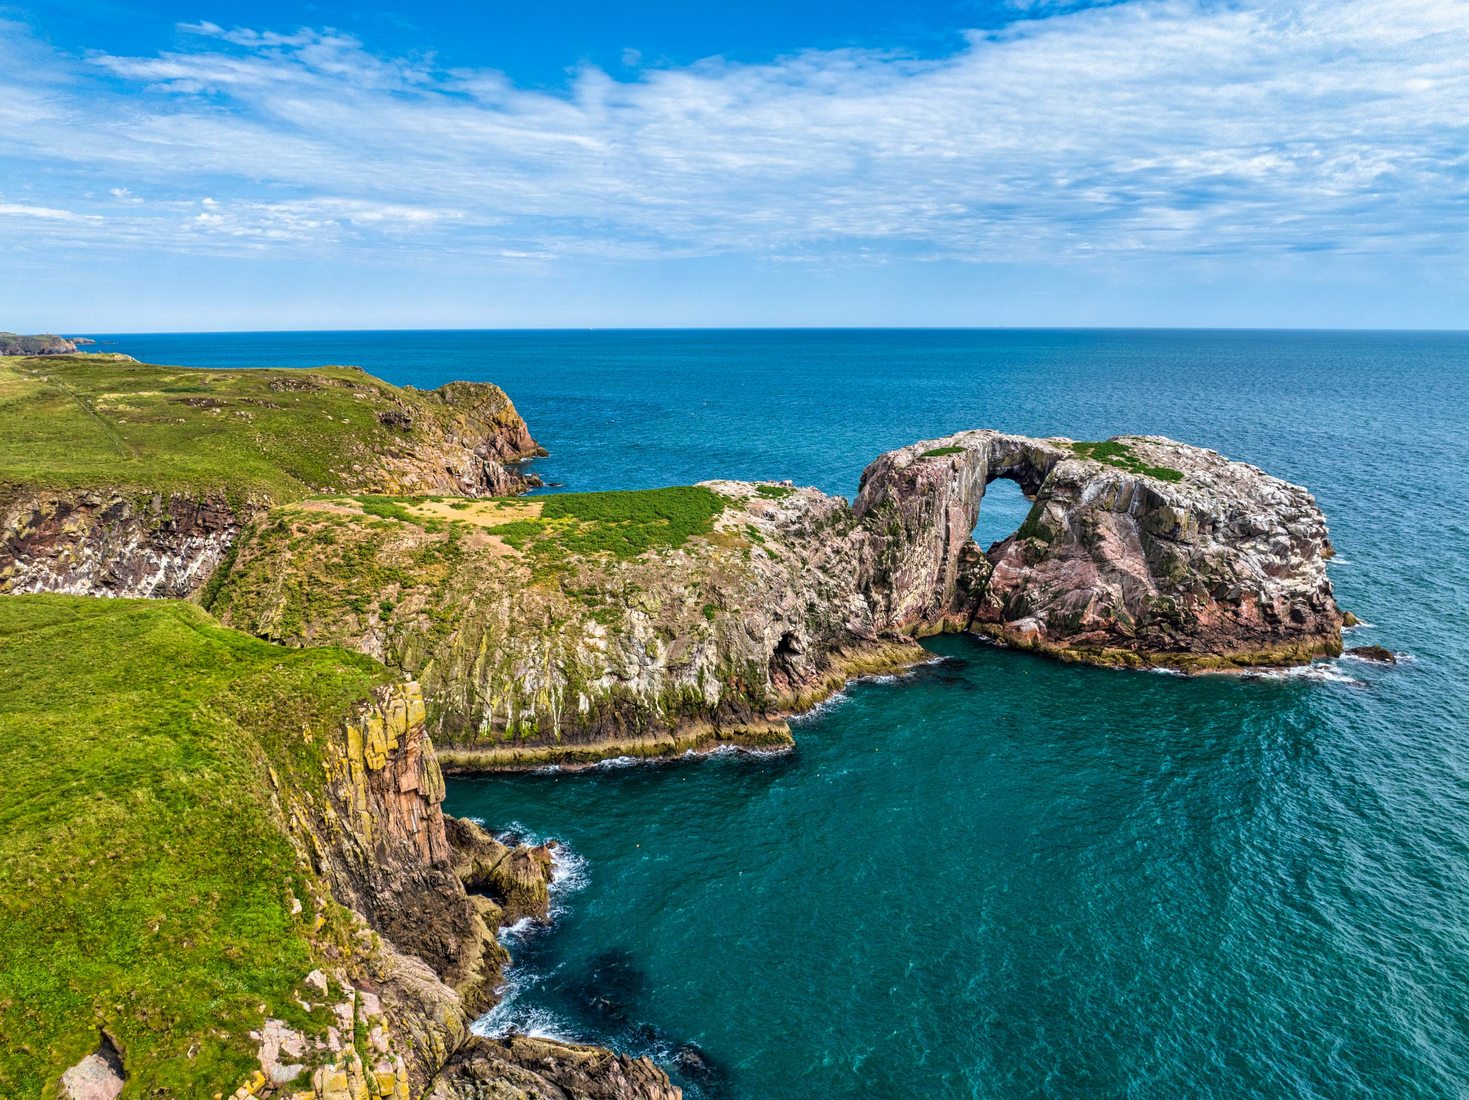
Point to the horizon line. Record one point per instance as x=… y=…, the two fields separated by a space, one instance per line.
x=774 y=328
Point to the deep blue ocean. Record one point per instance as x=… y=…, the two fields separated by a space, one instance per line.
x=999 y=876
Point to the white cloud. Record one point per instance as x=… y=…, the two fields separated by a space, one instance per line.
x=1159 y=127
x=42 y=213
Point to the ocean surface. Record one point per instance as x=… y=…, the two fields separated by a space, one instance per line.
x=999 y=876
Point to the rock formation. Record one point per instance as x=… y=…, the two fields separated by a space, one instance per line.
x=1136 y=551
x=105 y=530
x=559 y=650
x=538 y=640
x=14 y=344
x=429 y=893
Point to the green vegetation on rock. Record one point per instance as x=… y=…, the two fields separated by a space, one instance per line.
x=147 y=884
x=774 y=492
x=623 y=523
x=84 y=422
x=1120 y=455
x=942 y=452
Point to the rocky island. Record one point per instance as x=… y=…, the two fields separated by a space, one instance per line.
x=349 y=597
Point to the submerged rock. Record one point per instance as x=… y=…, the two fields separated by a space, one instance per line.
x=1374 y=653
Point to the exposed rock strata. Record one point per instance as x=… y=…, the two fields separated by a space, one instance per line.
x=1202 y=563
x=114 y=542
x=1152 y=553
x=527 y=660
x=96 y=544
x=425 y=961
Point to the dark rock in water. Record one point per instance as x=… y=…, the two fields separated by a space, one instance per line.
x=1348 y=620
x=694 y=1064
x=613 y=985
x=1373 y=653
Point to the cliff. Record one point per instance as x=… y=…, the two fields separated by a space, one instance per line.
x=226 y=870
x=14 y=344
x=125 y=479
x=1136 y=551
x=571 y=627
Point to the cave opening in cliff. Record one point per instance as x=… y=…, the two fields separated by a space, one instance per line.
x=784 y=662
x=1001 y=512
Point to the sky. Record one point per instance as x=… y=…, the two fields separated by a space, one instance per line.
x=192 y=165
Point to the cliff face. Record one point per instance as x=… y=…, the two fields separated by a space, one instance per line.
x=428 y=893
x=535 y=642
x=1139 y=550
x=226 y=871
x=166 y=466
x=543 y=630
x=105 y=544
x=14 y=344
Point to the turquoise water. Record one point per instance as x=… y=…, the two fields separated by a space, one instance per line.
x=998 y=876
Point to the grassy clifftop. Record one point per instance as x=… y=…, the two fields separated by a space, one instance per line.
x=81 y=422
x=147 y=886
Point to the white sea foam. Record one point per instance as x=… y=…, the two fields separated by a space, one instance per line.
x=616 y=762
x=830 y=703
x=1325 y=672
x=568 y=872
x=508 y=1016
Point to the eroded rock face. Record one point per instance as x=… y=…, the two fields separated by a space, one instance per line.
x=100 y=544
x=677 y=648
x=427 y=961
x=105 y=542
x=1154 y=553
x=520 y=1066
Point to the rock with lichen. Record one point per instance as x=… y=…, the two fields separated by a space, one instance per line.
x=1136 y=551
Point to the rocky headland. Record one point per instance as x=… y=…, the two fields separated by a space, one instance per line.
x=12 y=343
x=569 y=628
x=124 y=479
x=227 y=872
x=1137 y=551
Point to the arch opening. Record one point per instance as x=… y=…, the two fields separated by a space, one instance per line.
x=1002 y=510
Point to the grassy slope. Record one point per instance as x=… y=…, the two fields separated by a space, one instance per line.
x=144 y=877
x=70 y=421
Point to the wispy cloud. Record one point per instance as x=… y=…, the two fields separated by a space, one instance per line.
x=1157 y=127
x=43 y=213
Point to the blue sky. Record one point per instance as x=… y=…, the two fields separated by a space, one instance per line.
x=210 y=165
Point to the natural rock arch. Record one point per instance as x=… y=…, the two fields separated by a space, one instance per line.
x=1140 y=550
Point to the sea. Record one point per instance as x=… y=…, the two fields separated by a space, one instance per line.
x=999 y=876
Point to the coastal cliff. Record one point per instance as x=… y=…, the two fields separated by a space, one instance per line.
x=227 y=870
x=572 y=627
x=569 y=628
x=1136 y=551
x=125 y=479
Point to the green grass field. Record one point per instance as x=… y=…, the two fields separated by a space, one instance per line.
x=623 y=523
x=145 y=877
x=74 y=422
